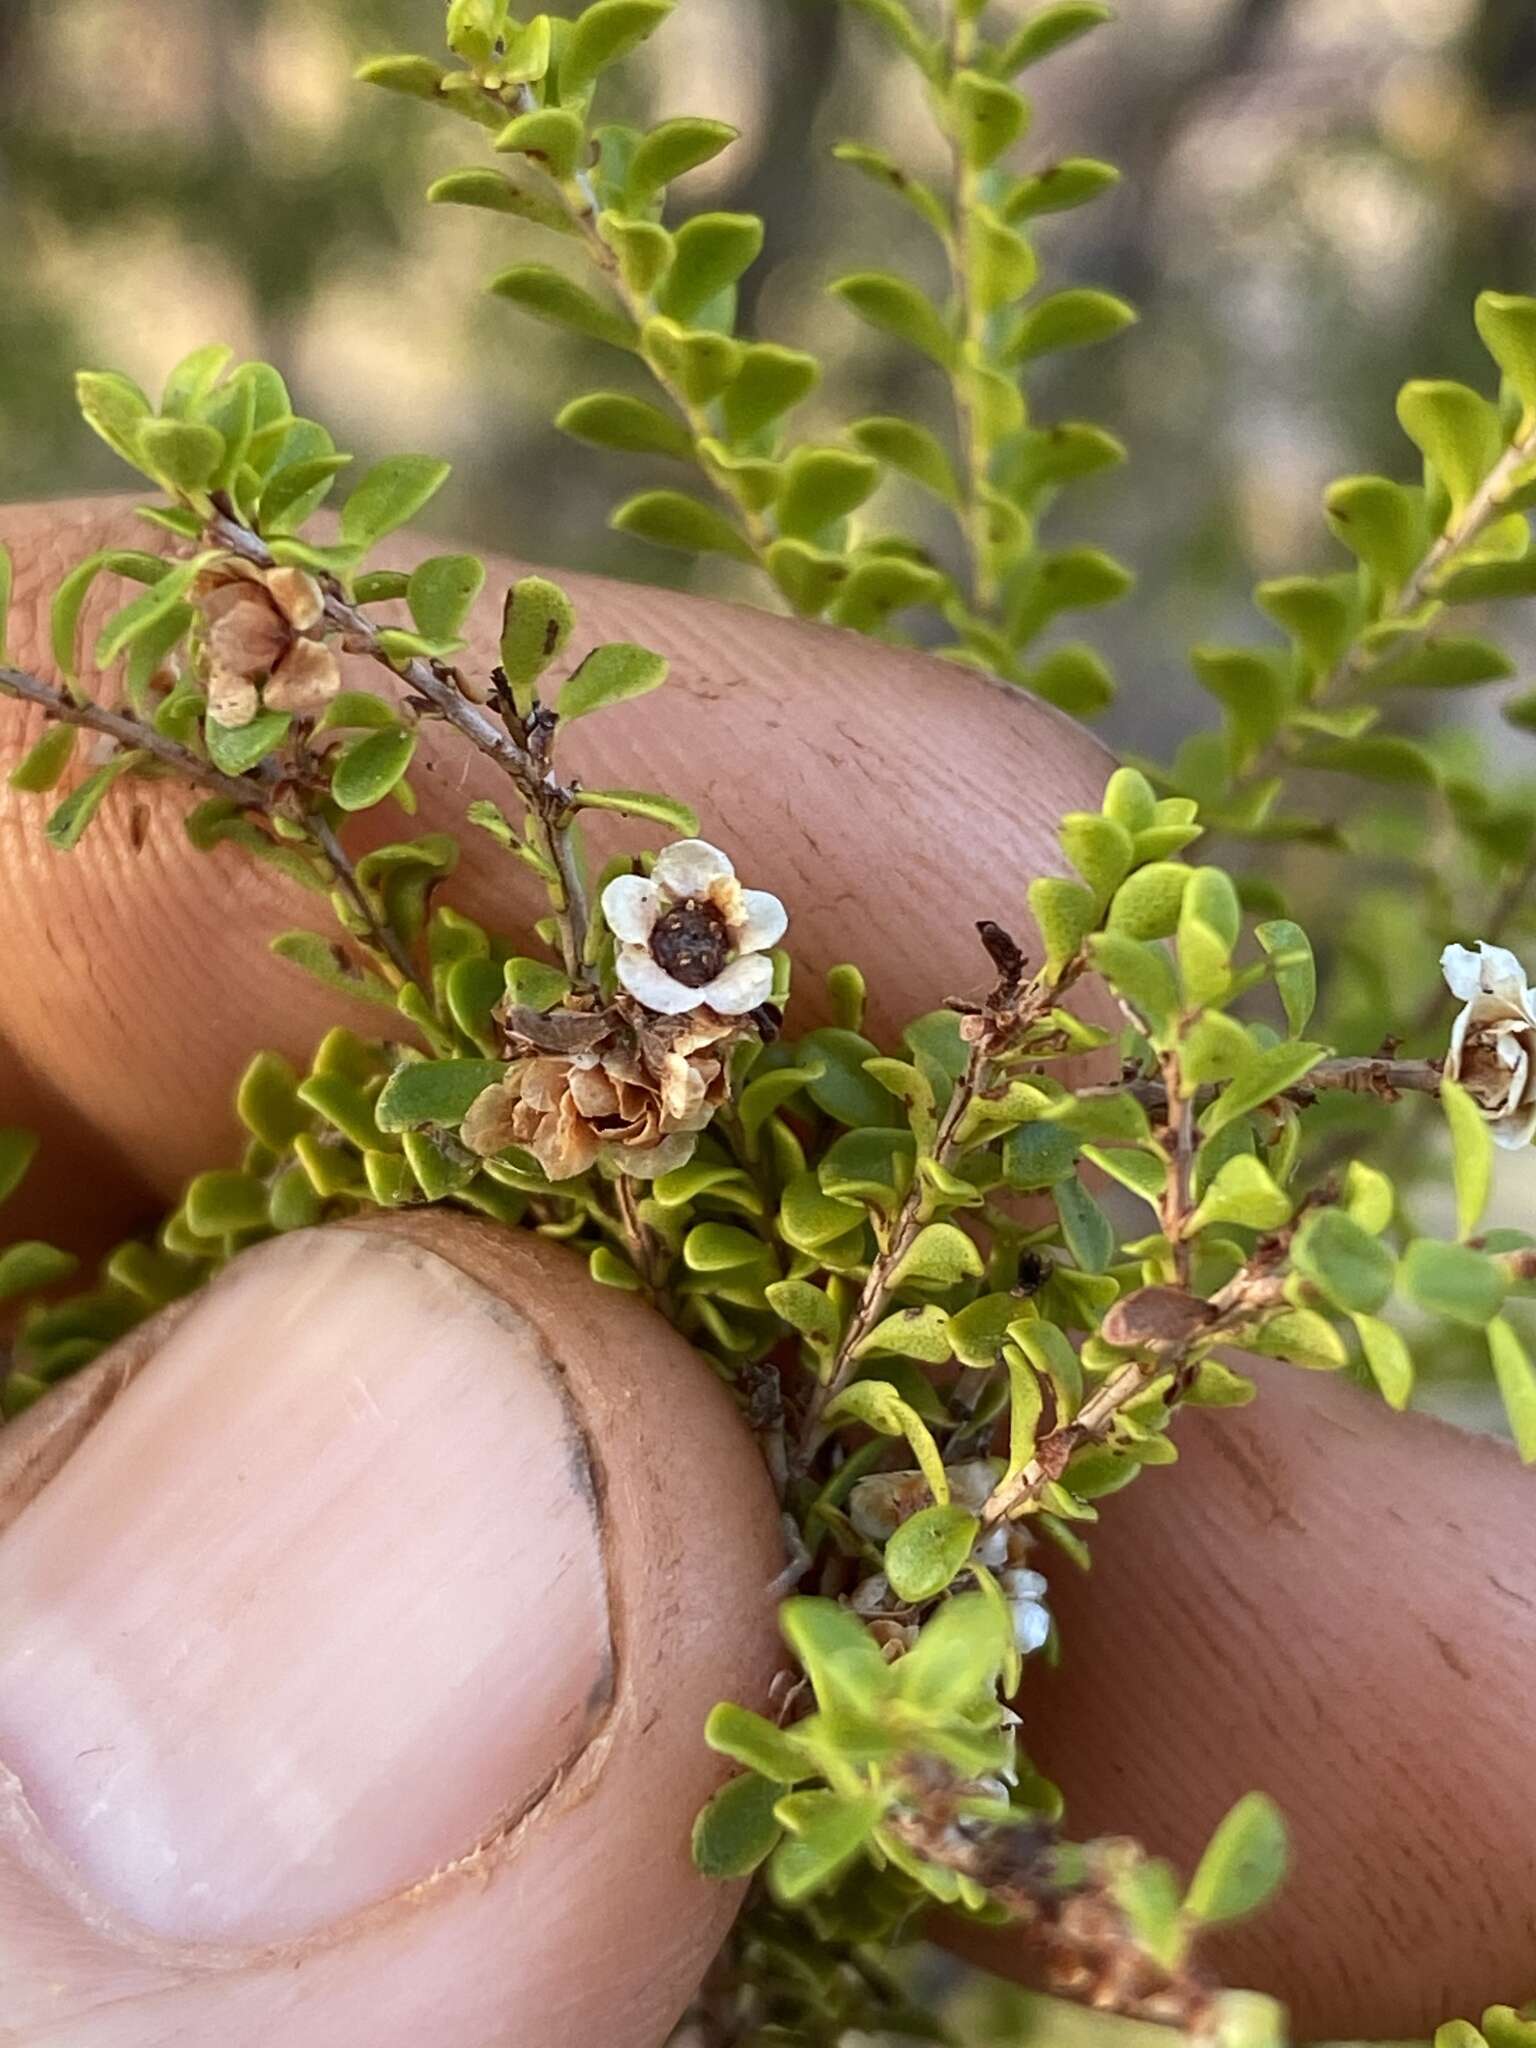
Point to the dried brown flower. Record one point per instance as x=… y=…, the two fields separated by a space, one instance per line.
x=618 y=1081
x=262 y=628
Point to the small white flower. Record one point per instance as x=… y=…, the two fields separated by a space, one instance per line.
x=691 y=936
x=1025 y=1593
x=1493 y=1042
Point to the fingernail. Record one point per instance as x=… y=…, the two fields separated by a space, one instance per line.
x=316 y=1606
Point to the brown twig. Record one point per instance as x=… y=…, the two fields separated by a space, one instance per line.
x=250 y=792
x=339 y=861
x=1376 y=1075
x=440 y=686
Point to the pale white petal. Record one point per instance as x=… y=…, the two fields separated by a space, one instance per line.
x=1022 y=1584
x=1463 y=971
x=1502 y=975
x=631 y=905
x=738 y=988
x=1031 y=1626
x=1458 y=1040
x=649 y=983
x=688 y=866
x=1513 y=1133
x=764 y=921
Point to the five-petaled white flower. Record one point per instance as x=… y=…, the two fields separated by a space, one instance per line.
x=1493 y=1042
x=691 y=936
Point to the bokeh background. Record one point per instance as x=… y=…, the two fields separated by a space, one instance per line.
x=1314 y=190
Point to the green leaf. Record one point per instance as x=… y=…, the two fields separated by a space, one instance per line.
x=146 y=612
x=829 y=1832
x=236 y=749
x=67 y=824
x=769 y=382
x=673 y=148
x=433 y=1092
x=418 y=77
x=1245 y=1192
x=553 y=135
x=603 y=34
x=1471 y=1155
x=1516 y=1376
x=1072 y=182
x=29 y=1267
x=291 y=494
x=1259 y=1079
x=1251 y=686
x=1243 y=1865
x=878 y=1405
x=711 y=252
x=1457 y=432
x=537 y=621
x=903 y=445
x=610 y=675
x=1388 y=1357
x=496 y=192
x=1065 y=914
x=1382 y=524
x=1075 y=680
x=1071 y=319
x=989 y=117
x=1294 y=969
x=611 y=419
x=222 y=1204
x=549 y=295
x=670 y=811
x=184 y=455
x=1038 y=1156
x=921 y=1333
x=643 y=247
x=807 y=1310
x=1447 y=662
x=1353 y=1269
x=1453 y=1281
x=941 y=1255
x=42 y=766
x=756 y=1744
x=1507 y=325
x=367 y=769
x=928 y=1550
x=1100 y=849
x=700 y=361
x=1476 y=582
x=115 y=408
x=822 y=486
x=672 y=519
x=737 y=1830
x=1049 y=30
x=442 y=593
x=1147 y=904
x=1087 y=1232
x=391 y=493
x=843 y=1090
x=1140 y=975
x=897 y=307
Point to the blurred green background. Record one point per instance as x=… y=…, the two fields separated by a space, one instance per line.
x=1314 y=191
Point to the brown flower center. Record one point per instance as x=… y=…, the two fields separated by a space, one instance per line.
x=692 y=943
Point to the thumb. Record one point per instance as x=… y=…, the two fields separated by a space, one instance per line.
x=356 y=1633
